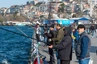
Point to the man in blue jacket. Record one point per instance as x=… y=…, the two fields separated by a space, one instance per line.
x=83 y=46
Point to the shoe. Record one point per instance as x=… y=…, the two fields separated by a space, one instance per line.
x=49 y=62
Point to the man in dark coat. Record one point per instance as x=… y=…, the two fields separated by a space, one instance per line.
x=93 y=30
x=57 y=39
x=64 y=48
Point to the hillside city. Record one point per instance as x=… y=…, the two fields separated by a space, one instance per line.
x=49 y=32
x=35 y=10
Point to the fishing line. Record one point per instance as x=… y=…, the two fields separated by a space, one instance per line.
x=25 y=36
x=20 y=34
x=21 y=31
x=33 y=43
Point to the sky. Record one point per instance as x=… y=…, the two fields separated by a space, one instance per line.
x=8 y=3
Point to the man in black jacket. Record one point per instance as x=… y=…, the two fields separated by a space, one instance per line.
x=50 y=35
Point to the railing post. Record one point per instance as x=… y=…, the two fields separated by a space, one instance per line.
x=37 y=52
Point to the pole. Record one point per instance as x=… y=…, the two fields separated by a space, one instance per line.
x=91 y=8
x=37 y=52
x=49 y=16
x=95 y=2
x=81 y=5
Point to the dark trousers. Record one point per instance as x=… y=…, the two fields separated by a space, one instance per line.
x=38 y=37
x=65 y=61
x=51 y=55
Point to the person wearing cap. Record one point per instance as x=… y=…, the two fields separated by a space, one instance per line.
x=83 y=46
x=38 y=32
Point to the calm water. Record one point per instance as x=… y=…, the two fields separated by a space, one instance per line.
x=15 y=49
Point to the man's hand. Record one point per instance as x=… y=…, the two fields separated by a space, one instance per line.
x=51 y=46
x=50 y=40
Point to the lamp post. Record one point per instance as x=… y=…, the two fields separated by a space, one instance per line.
x=81 y=5
x=49 y=16
x=91 y=8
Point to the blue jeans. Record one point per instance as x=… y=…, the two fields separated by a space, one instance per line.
x=84 y=61
x=73 y=44
x=57 y=57
x=45 y=39
x=93 y=32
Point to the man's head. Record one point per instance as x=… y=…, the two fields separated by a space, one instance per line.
x=81 y=28
x=58 y=26
x=55 y=23
x=51 y=27
x=73 y=29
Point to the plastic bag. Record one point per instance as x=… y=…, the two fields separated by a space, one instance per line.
x=91 y=61
x=41 y=38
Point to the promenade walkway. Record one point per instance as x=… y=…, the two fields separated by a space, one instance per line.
x=44 y=51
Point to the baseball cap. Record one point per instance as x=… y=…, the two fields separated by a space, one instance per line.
x=81 y=26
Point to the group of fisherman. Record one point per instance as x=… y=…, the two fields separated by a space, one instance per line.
x=63 y=41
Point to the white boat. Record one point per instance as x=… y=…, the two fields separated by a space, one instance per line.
x=20 y=24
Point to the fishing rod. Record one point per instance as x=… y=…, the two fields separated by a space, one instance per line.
x=21 y=34
x=37 y=49
x=26 y=37
x=21 y=31
x=16 y=33
x=33 y=43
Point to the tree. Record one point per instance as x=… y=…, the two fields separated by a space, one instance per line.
x=74 y=15
x=15 y=15
x=61 y=9
x=9 y=17
x=20 y=18
x=42 y=17
x=95 y=11
x=1 y=19
x=2 y=14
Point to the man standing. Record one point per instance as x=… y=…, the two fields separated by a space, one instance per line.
x=93 y=30
x=38 y=32
x=50 y=35
x=57 y=39
x=83 y=46
x=64 y=48
x=60 y=34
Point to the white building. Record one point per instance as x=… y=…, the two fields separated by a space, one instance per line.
x=92 y=4
x=55 y=0
x=92 y=1
x=36 y=1
x=3 y=10
x=43 y=8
